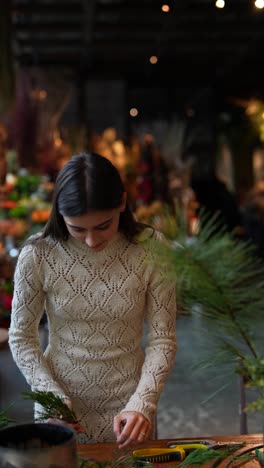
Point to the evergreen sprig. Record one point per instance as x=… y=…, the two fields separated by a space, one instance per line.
x=53 y=406
x=260 y=457
x=198 y=457
x=4 y=419
x=252 y=370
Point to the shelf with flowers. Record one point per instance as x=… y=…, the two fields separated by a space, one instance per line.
x=24 y=209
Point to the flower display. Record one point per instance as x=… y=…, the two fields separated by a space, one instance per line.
x=6 y=288
x=160 y=216
x=24 y=209
x=40 y=215
x=24 y=204
x=13 y=227
x=169 y=218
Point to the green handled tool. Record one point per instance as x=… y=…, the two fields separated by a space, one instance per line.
x=161 y=454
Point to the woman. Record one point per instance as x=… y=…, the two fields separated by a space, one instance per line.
x=92 y=271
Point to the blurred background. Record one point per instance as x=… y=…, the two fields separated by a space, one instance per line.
x=172 y=93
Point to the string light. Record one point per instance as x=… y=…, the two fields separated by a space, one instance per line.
x=133 y=112
x=42 y=94
x=153 y=59
x=165 y=8
x=220 y=3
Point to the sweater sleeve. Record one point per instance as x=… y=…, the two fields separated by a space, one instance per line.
x=161 y=344
x=27 y=309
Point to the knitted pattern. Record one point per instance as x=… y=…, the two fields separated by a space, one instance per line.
x=96 y=304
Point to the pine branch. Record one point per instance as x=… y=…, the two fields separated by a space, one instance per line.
x=221 y=279
x=245 y=455
x=231 y=312
x=221 y=275
x=4 y=419
x=198 y=457
x=53 y=406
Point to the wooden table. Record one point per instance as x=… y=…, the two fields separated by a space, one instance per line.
x=110 y=451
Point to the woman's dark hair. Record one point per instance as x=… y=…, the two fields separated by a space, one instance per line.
x=88 y=182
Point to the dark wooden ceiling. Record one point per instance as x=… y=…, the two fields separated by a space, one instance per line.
x=113 y=39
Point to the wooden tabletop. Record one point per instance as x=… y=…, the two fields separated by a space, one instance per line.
x=110 y=451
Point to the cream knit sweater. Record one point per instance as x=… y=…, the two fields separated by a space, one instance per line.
x=96 y=304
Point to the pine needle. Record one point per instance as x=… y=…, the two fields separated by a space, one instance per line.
x=219 y=390
x=260 y=457
x=4 y=419
x=53 y=406
x=200 y=456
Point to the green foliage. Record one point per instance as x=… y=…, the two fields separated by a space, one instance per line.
x=4 y=419
x=198 y=457
x=27 y=184
x=17 y=212
x=53 y=406
x=260 y=457
x=220 y=278
x=252 y=370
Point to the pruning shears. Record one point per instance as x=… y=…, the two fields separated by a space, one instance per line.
x=177 y=452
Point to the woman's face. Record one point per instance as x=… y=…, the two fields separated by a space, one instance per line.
x=96 y=228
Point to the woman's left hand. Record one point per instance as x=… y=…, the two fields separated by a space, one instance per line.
x=131 y=427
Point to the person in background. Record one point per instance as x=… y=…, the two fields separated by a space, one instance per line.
x=211 y=193
x=92 y=270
